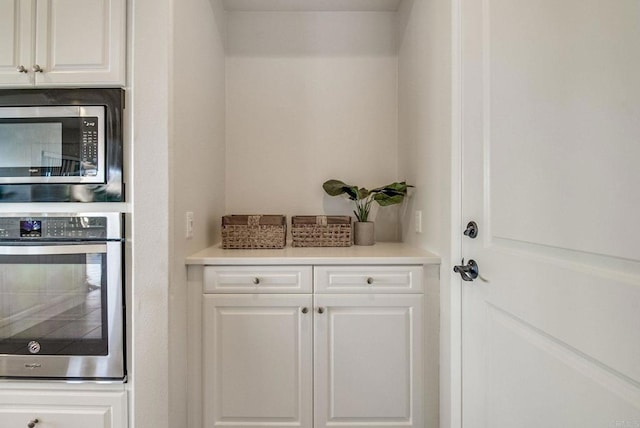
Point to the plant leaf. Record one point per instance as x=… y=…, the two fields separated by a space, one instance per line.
x=385 y=200
x=390 y=194
x=334 y=187
x=337 y=187
x=397 y=187
x=363 y=193
x=352 y=191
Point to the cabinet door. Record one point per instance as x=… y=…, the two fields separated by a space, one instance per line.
x=63 y=409
x=80 y=42
x=16 y=39
x=257 y=360
x=368 y=361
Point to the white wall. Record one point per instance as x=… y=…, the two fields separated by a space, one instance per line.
x=425 y=158
x=197 y=164
x=149 y=101
x=310 y=96
x=178 y=166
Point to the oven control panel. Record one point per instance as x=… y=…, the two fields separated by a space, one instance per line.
x=47 y=228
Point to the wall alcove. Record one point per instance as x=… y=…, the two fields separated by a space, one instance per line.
x=268 y=99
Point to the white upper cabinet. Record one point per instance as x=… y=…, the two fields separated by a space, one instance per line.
x=62 y=43
x=16 y=39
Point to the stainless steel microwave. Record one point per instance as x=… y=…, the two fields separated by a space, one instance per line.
x=61 y=145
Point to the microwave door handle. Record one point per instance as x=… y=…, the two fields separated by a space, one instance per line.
x=37 y=250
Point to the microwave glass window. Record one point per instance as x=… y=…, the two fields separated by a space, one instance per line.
x=31 y=145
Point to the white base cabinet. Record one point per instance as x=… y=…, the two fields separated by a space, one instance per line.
x=257 y=356
x=313 y=345
x=62 y=409
x=368 y=361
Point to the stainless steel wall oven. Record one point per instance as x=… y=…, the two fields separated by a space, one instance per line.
x=61 y=145
x=61 y=296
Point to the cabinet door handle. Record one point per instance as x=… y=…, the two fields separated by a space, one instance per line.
x=369 y=280
x=22 y=69
x=305 y=310
x=321 y=310
x=256 y=280
x=32 y=423
x=37 y=69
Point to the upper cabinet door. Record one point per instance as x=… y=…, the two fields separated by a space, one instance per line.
x=80 y=42
x=16 y=41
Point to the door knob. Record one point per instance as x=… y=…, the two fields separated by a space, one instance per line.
x=472 y=230
x=468 y=272
x=22 y=69
x=32 y=423
x=37 y=69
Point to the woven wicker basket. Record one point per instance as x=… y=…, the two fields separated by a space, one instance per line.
x=321 y=231
x=254 y=231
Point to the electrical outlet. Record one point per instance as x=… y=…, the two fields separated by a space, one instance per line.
x=189 y=218
x=418 y=221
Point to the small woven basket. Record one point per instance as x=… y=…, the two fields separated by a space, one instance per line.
x=254 y=231
x=321 y=231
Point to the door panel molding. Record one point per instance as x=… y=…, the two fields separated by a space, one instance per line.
x=589 y=367
x=554 y=387
x=561 y=96
x=620 y=269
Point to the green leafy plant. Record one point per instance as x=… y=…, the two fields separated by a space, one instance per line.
x=390 y=194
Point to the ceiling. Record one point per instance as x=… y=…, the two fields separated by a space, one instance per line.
x=311 y=5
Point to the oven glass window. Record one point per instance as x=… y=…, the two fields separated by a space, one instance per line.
x=31 y=145
x=53 y=304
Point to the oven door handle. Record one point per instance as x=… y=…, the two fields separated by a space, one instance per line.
x=37 y=250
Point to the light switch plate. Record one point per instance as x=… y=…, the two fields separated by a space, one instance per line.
x=189 y=225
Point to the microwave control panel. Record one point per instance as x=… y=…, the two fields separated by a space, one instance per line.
x=34 y=228
x=89 y=155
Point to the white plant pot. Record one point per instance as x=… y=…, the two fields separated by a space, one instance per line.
x=364 y=233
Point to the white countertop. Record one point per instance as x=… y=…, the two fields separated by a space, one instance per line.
x=380 y=253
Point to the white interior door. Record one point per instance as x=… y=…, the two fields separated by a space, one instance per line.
x=551 y=161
